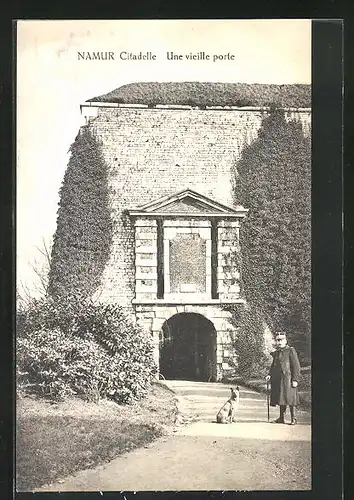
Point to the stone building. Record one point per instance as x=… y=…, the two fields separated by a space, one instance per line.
x=176 y=256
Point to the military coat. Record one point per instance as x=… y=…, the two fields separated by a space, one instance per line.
x=284 y=370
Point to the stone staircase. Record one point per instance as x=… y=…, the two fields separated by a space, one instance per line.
x=200 y=402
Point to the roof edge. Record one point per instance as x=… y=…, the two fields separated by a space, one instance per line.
x=203 y=93
x=98 y=104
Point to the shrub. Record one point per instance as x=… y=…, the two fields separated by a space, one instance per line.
x=79 y=347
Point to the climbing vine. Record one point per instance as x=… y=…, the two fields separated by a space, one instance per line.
x=83 y=238
x=274 y=183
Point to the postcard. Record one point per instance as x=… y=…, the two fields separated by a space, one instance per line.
x=163 y=326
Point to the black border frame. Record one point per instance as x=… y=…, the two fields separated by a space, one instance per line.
x=327 y=252
x=327 y=255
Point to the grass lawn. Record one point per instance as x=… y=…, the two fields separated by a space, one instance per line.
x=55 y=440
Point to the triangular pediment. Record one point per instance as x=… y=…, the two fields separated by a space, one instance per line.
x=187 y=202
x=187 y=205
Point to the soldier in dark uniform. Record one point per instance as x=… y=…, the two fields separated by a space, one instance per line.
x=284 y=376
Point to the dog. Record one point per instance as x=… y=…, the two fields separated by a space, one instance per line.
x=226 y=414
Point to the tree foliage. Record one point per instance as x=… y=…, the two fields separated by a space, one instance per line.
x=82 y=241
x=274 y=183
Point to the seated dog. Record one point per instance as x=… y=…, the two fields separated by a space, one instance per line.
x=226 y=414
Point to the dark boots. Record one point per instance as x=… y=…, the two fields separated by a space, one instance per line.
x=293 y=415
x=281 y=419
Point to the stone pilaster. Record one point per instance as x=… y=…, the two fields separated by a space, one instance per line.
x=145 y=259
x=228 y=273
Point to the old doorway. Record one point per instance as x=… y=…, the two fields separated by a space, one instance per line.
x=188 y=348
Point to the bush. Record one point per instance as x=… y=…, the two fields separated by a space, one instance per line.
x=83 y=348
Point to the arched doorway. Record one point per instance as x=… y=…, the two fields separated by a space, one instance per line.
x=188 y=348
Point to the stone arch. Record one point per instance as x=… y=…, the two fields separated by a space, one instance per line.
x=188 y=347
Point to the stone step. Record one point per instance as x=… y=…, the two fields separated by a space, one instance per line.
x=218 y=404
x=212 y=399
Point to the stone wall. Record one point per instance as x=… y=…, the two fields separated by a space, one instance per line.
x=152 y=153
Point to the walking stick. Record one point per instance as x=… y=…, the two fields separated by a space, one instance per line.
x=268 y=398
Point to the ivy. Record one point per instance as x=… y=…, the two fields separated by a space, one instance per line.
x=83 y=238
x=274 y=182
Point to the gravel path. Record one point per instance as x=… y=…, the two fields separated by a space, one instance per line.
x=250 y=454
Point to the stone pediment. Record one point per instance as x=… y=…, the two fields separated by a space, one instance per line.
x=188 y=202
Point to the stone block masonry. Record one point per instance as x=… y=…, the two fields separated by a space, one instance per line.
x=152 y=153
